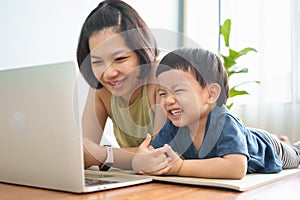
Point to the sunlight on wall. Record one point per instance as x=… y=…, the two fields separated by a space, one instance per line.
x=267 y=29
x=265 y=25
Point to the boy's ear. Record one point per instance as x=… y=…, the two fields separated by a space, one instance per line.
x=214 y=92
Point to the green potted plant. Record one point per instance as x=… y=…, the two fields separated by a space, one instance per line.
x=230 y=60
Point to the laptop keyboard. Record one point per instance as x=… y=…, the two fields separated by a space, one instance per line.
x=93 y=181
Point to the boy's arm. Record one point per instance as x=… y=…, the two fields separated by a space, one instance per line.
x=232 y=166
x=155 y=162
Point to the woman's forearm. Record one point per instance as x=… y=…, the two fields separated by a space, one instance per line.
x=123 y=157
x=95 y=154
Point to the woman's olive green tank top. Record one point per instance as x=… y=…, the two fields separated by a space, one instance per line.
x=131 y=124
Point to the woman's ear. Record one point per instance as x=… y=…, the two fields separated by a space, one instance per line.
x=214 y=92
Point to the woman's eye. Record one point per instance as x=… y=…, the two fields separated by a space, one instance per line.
x=121 y=58
x=96 y=62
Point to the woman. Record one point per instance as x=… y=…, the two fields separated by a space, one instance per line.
x=116 y=55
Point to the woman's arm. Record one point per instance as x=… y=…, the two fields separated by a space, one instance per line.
x=95 y=114
x=93 y=123
x=96 y=154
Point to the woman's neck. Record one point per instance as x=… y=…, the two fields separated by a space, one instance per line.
x=131 y=98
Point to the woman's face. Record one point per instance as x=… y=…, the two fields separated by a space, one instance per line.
x=114 y=64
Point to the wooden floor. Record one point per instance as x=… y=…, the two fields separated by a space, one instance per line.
x=285 y=189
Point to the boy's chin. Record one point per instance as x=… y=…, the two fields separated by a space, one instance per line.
x=178 y=124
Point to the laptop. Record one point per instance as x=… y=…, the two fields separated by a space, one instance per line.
x=40 y=137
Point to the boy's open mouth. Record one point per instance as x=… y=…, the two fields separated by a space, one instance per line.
x=175 y=112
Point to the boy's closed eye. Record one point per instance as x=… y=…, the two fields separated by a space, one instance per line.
x=179 y=91
x=162 y=93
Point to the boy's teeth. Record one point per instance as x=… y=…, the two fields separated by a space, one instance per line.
x=175 y=112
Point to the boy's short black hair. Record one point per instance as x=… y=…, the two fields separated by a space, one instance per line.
x=204 y=65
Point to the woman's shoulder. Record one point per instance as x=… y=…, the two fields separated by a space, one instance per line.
x=103 y=93
x=103 y=96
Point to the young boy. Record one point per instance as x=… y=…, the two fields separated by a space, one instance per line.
x=208 y=140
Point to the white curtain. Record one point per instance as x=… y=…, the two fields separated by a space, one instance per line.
x=272 y=28
x=296 y=46
x=266 y=26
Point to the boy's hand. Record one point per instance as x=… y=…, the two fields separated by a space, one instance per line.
x=175 y=162
x=173 y=168
x=148 y=159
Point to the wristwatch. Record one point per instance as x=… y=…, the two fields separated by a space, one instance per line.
x=109 y=161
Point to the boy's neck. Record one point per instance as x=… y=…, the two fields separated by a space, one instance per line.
x=197 y=130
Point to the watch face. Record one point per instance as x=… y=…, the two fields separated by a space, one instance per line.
x=106 y=167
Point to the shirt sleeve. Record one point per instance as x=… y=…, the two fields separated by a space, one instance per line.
x=232 y=139
x=165 y=135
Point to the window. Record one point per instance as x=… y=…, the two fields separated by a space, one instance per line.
x=262 y=24
x=273 y=29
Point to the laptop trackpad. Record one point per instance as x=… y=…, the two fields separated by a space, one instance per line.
x=99 y=178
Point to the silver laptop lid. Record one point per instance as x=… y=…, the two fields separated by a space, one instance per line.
x=40 y=144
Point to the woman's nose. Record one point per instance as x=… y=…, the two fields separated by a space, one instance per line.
x=110 y=71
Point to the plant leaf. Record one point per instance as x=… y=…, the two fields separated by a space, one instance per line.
x=246 y=50
x=245 y=82
x=229 y=106
x=225 y=31
x=233 y=92
x=228 y=61
x=234 y=54
x=235 y=69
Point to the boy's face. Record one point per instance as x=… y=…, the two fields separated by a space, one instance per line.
x=182 y=97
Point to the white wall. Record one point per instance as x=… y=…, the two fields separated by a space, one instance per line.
x=35 y=32
x=38 y=32
x=202 y=23
x=274 y=31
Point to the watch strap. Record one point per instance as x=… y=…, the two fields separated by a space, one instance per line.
x=109 y=159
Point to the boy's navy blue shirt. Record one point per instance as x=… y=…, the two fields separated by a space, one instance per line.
x=225 y=134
